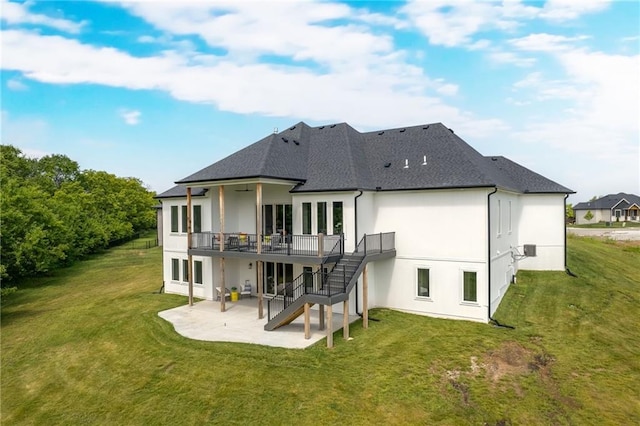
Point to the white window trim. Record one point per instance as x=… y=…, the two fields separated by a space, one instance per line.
x=461 y=287
x=415 y=287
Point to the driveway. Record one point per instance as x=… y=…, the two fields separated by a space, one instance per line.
x=629 y=234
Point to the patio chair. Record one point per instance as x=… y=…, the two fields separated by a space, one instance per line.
x=227 y=293
x=246 y=289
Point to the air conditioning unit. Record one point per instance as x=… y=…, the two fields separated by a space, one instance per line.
x=530 y=250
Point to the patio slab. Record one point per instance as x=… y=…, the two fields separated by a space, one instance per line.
x=240 y=324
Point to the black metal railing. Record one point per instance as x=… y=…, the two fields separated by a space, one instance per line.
x=377 y=243
x=290 y=245
x=289 y=293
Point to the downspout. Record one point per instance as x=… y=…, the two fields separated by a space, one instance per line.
x=566 y=268
x=491 y=319
x=355 y=213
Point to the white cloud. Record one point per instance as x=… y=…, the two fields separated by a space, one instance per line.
x=131 y=117
x=396 y=92
x=16 y=84
x=565 y=10
x=503 y=57
x=18 y=13
x=543 y=42
x=146 y=39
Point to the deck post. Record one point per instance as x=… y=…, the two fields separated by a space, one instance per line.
x=345 y=319
x=189 y=257
x=307 y=321
x=365 y=297
x=260 y=287
x=329 y=326
x=320 y=244
x=321 y=323
x=223 y=287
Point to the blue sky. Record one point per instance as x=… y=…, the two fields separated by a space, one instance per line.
x=158 y=90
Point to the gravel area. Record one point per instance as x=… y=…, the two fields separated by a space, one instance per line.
x=631 y=234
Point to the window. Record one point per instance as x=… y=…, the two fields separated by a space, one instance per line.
x=509 y=218
x=197 y=272
x=307 y=273
x=337 y=217
x=174 y=218
x=185 y=270
x=423 y=282
x=306 y=218
x=184 y=218
x=470 y=287
x=322 y=218
x=197 y=218
x=175 y=269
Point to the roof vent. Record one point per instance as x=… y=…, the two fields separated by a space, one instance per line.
x=378 y=188
x=285 y=140
x=321 y=127
x=381 y=133
x=451 y=130
x=406 y=163
x=275 y=130
x=296 y=142
x=387 y=165
x=424 y=160
x=425 y=127
x=494 y=159
x=332 y=126
x=291 y=128
x=402 y=130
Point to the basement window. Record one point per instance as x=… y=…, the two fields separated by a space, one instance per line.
x=470 y=286
x=185 y=270
x=423 y=283
x=197 y=272
x=175 y=269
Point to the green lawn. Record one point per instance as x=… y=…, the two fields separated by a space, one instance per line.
x=86 y=346
x=599 y=225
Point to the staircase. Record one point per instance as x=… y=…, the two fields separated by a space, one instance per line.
x=327 y=288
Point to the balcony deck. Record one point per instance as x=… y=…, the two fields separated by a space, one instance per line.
x=275 y=248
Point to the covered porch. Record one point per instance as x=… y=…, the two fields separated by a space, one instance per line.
x=204 y=321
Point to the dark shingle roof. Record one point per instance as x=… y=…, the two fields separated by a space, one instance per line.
x=610 y=201
x=338 y=157
x=181 y=192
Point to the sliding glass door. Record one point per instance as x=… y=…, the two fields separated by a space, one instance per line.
x=277 y=218
x=277 y=276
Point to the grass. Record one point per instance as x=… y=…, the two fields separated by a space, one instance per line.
x=85 y=345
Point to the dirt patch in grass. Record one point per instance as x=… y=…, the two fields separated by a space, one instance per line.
x=508 y=360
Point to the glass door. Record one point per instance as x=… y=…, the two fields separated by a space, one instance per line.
x=277 y=219
x=277 y=276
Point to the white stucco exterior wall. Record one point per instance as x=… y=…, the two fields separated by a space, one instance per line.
x=542 y=224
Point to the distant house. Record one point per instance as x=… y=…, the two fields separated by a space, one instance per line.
x=412 y=219
x=619 y=207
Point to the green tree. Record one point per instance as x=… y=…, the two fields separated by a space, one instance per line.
x=588 y=215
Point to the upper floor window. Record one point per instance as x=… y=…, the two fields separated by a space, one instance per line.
x=337 y=218
x=184 y=219
x=322 y=217
x=306 y=218
x=197 y=218
x=174 y=219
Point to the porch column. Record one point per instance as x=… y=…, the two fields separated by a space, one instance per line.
x=223 y=286
x=307 y=321
x=259 y=248
x=365 y=297
x=345 y=319
x=329 y=326
x=189 y=257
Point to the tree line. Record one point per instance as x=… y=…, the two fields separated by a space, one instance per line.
x=52 y=213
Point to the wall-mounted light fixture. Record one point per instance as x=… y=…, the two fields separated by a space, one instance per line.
x=250 y=265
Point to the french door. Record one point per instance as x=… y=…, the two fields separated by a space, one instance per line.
x=277 y=276
x=277 y=218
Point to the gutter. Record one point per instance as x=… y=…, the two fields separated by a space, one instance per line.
x=491 y=319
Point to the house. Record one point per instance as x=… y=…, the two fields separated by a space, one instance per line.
x=619 y=207
x=412 y=219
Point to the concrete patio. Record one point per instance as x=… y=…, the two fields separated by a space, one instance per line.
x=240 y=324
